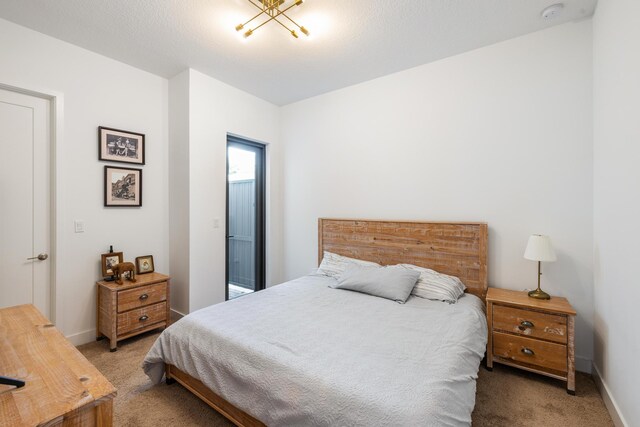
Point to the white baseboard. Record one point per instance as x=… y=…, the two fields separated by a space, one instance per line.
x=609 y=401
x=82 y=337
x=583 y=364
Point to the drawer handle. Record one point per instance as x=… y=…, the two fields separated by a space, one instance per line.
x=143 y=318
x=527 y=324
x=144 y=297
x=528 y=351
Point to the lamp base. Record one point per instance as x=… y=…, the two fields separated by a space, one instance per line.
x=539 y=294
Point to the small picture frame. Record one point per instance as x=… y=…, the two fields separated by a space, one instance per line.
x=122 y=187
x=108 y=261
x=144 y=264
x=115 y=145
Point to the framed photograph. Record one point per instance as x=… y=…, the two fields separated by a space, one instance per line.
x=108 y=261
x=116 y=145
x=144 y=264
x=122 y=186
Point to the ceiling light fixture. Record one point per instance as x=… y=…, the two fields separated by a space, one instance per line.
x=274 y=11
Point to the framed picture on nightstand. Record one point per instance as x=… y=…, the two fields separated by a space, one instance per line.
x=108 y=261
x=144 y=264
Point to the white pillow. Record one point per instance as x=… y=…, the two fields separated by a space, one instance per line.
x=333 y=265
x=390 y=282
x=436 y=286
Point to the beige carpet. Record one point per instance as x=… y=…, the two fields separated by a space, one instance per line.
x=505 y=397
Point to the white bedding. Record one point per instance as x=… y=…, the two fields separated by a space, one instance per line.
x=304 y=354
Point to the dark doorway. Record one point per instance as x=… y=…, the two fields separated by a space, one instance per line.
x=245 y=217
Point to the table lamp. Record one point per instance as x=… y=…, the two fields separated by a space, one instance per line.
x=539 y=249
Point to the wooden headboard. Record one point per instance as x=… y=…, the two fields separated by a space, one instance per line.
x=457 y=249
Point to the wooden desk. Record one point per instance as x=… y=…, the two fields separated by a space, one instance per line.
x=62 y=387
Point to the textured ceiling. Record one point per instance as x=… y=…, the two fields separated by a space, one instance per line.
x=351 y=40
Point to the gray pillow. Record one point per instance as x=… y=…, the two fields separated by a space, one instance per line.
x=391 y=282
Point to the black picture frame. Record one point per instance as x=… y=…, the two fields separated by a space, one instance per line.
x=121 y=146
x=123 y=199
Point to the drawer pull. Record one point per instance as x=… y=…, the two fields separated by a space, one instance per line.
x=528 y=351
x=145 y=317
x=143 y=297
x=526 y=324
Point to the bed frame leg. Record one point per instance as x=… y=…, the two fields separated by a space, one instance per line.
x=167 y=374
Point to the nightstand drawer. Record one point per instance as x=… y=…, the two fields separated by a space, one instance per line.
x=139 y=297
x=530 y=351
x=141 y=317
x=533 y=324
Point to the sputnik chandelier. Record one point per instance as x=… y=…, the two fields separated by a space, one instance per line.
x=273 y=11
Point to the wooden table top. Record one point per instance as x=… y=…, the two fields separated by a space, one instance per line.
x=58 y=377
x=141 y=280
x=521 y=299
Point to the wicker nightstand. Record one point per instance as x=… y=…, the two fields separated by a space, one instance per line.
x=530 y=334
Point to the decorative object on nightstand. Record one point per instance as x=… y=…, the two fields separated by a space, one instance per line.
x=532 y=334
x=108 y=260
x=123 y=311
x=539 y=249
x=144 y=264
x=124 y=270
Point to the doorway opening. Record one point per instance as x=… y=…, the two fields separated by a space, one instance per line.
x=245 y=217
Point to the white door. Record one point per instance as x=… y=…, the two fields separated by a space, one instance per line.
x=24 y=201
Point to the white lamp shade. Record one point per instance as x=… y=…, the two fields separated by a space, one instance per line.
x=539 y=249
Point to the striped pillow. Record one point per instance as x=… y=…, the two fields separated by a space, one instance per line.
x=333 y=265
x=436 y=286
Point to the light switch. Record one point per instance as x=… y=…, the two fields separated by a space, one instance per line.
x=78 y=226
x=216 y=222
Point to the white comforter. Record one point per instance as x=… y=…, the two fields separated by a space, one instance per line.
x=304 y=354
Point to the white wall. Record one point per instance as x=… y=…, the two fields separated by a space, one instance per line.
x=179 y=191
x=501 y=134
x=617 y=204
x=97 y=91
x=216 y=109
x=184 y=179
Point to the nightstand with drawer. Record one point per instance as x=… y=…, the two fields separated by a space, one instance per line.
x=123 y=311
x=531 y=334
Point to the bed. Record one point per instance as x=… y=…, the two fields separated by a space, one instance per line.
x=302 y=353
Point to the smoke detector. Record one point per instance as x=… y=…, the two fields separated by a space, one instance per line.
x=552 y=11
